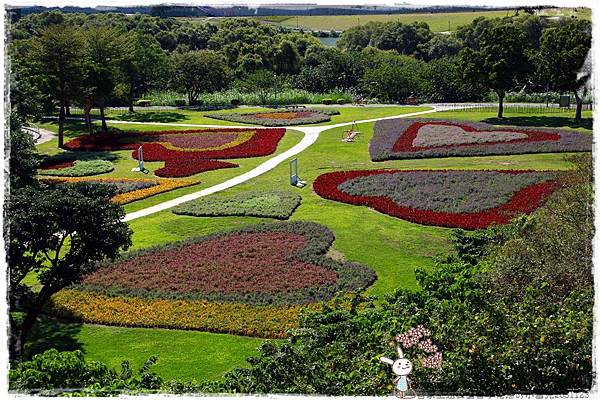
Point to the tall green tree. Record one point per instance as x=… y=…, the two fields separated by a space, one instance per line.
x=105 y=48
x=58 y=234
x=287 y=58
x=143 y=64
x=500 y=63
x=197 y=72
x=59 y=50
x=263 y=83
x=561 y=58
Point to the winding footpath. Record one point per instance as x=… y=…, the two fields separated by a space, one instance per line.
x=311 y=134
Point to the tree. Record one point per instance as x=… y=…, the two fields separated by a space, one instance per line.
x=24 y=159
x=142 y=65
x=501 y=61
x=404 y=38
x=59 y=234
x=440 y=45
x=287 y=58
x=59 y=49
x=561 y=58
x=104 y=49
x=197 y=72
x=262 y=82
x=442 y=81
x=392 y=82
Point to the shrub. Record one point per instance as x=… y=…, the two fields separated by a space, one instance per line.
x=278 y=205
x=179 y=102
x=327 y=101
x=143 y=102
x=130 y=189
x=79 y=168
x=235 y=102
x=67 y=372
x=407 y=139
x=342 y=101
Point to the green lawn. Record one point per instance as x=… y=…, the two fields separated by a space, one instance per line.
x=438 y=22
x=181 y=354
x=347 y=114
x=392 y=247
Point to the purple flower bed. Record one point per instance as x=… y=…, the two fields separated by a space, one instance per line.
x=445 y=191
x=420 y=138
x=195 y=141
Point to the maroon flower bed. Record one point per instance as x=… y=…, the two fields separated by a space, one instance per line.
x=270 y=263
x=406 y=139
x=53 y=165
x=447 y=210
x=186 y=154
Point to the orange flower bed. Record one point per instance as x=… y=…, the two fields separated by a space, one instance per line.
x=233 y=318
x=161 y=185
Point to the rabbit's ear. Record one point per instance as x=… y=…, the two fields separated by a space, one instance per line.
x=386 y=360
x=400 y=353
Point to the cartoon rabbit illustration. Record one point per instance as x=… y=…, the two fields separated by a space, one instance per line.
x=401 y=368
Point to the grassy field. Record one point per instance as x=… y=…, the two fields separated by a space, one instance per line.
x=438 y=22
x=181 y=354
x=394 y=248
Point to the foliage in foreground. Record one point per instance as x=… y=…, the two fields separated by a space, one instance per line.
x=54 y=372
x=496 y=339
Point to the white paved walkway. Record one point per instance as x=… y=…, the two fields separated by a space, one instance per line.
x=311 y=134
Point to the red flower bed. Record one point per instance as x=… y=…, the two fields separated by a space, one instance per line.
x=239 y=263
x=184 y=167
x=525 y=200
x=183 y=161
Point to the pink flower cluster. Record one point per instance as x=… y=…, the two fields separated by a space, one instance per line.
x=412 y=336
x=433 y=361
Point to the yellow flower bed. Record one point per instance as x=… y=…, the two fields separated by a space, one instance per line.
x=233 y=318
x=163 y=185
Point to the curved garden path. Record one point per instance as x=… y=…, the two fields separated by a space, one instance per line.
x=311 y=134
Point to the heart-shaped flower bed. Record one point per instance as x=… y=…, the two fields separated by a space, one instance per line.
x=462 y=199
x=276 y=263
x=405 y=139
x=270 y=265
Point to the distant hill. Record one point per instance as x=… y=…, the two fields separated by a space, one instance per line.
x=245 y=11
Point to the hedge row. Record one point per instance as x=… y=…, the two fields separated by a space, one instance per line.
x=421 y=138
x=278 y=118
x=79 y=168
x=273 y=204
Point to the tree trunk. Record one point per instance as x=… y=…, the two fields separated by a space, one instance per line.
x=87 y=109
x=103 y=118
x=29 y=321
x=500 y=104
x=61 y=126
x=579 y=101
x=68 y=109
x=131 y=99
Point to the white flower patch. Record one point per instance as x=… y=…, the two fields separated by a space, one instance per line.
x=433 y=135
